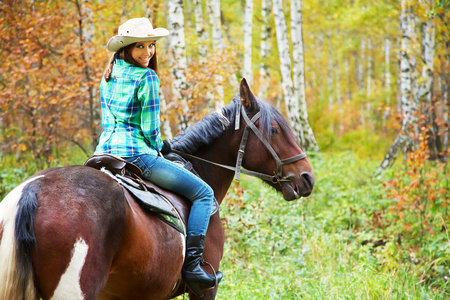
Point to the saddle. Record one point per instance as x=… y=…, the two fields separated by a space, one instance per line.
x=168 y=206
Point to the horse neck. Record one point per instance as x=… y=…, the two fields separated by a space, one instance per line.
x=219 y=179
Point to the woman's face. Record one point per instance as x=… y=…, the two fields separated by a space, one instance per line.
x=142 y=52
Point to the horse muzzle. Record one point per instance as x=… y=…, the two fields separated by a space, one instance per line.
x=294 y=187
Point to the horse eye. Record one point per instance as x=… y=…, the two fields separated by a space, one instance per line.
x=274 y=130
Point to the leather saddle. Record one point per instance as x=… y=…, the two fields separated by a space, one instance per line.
x=146 y=193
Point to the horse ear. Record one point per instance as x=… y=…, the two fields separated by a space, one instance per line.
x=247 y=97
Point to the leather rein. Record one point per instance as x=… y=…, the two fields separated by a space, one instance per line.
x=250 y=125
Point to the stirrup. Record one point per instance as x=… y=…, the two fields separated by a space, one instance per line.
x=205 y=263
x=198 y=291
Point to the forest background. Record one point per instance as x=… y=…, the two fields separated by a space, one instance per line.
x=375 y=226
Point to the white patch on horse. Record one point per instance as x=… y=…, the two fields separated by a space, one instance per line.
x=69 y=284
x=8 y=267
x=183 y=245
x=183 y=254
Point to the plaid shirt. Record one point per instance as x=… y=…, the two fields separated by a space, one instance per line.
x=130 y=112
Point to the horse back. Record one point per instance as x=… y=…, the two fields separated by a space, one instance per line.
x=78 y=226
x=93 y=243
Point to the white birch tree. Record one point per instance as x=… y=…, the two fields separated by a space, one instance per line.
x=369 y=68
x=387 y=73
x=218 y=46
x=308 y=142
x=360 y=65
x=408 y=108
x=347 y=71
x=387 y=79
x=425 y=87
x=149 y=12
x=247 y=24
x=330 y=69
x=290 y=99
x=202 y=34
x=165 y=123
x=177 y=47
x=264 y=48
x=214 y=8
x=86 y=33
x=445 y=88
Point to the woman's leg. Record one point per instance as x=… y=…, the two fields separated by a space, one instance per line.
x=175 y=178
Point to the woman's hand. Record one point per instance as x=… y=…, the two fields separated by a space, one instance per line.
x=166 y=148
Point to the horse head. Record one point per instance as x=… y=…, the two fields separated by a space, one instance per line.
x=272 y=149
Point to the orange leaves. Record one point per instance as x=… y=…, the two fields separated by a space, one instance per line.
x=45 y=99
x=204 y=81
x=420 y=193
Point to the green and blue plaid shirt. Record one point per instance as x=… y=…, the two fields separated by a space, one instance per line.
x=130 y=112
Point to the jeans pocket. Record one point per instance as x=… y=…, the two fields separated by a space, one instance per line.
x=146 y=172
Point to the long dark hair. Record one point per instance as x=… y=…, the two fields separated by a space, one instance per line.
x=125 y=54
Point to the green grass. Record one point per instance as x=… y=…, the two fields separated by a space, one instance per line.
x=310 y=249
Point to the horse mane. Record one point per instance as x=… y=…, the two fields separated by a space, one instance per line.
x=214 y=124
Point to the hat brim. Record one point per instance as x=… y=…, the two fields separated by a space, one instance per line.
x=120 y=41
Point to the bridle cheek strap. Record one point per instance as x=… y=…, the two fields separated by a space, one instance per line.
x=244 y=140
x=250 y=124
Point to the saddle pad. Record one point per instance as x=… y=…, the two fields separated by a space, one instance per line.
x=152 y=201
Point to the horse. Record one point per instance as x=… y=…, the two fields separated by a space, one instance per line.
x=70 y=232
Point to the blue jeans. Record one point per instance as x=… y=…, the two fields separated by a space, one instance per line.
x=175 y=178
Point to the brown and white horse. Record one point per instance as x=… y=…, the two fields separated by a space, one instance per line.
x=70 y=233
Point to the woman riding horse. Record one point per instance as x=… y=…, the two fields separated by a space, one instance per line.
x=131 y=123
x=70 y=232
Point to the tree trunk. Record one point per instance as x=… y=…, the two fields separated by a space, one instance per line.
x=308 y=142
x=360 y=66
x=369 y=70
x=404 y=139
x=425 y=92
x=290 y=98
x=348 y=89
x=202 y=34
x=86 y=36
x=248 y=14
x=347 y=77
x=330 y=70
x=165 y=124
x=265 y=49
x=218 y=45
x=445 y=82
x=177 y=46
x=387 y=73
x=150 y=12
x=214 y=7
x=387 y=82
x=151 y=9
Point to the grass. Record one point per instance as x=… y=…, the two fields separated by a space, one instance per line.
x=309 y=249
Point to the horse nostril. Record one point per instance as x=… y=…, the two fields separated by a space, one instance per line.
x=308 y=180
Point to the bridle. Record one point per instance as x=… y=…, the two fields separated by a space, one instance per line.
x=250 y=125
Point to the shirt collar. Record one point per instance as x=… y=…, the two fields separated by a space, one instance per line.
x=121 y=62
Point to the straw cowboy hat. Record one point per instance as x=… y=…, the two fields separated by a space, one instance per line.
x=135 y=30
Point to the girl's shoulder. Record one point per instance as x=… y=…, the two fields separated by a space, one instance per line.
x=137 y=73
x=148 y=74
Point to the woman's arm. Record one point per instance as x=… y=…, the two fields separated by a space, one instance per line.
x=150 y=119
